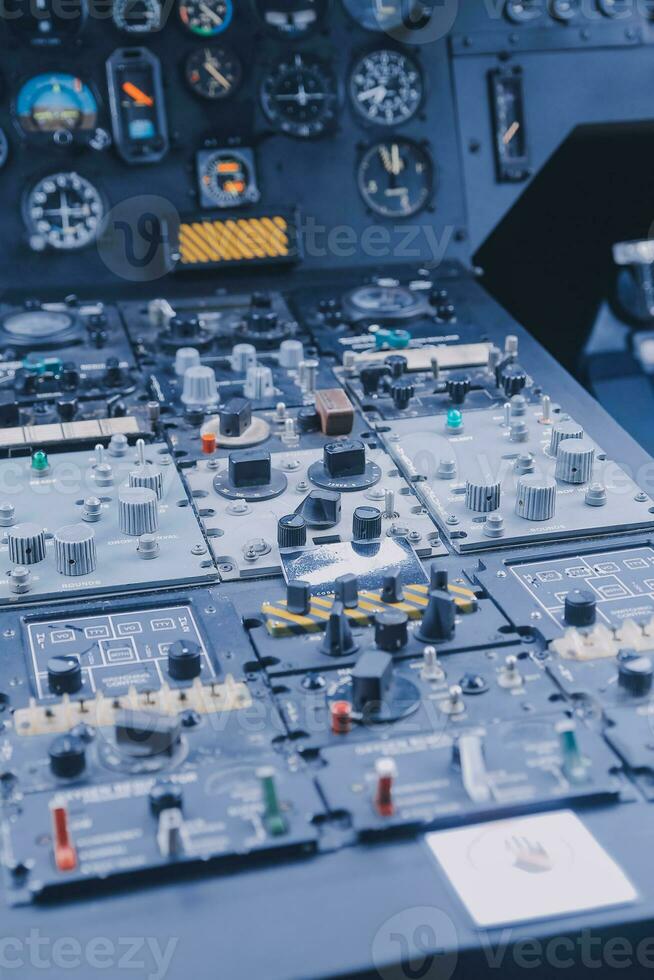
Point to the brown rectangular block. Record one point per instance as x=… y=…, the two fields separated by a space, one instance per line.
x=336 y=412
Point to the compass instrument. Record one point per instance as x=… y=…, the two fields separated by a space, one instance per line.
x=299 y=96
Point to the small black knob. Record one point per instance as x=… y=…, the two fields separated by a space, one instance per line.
x=439 y=619
x=338 y=640
x=64 y=675
x=346 y=458
x=580 y=608
x=235 y=417
x=458 y=388
x=371 y=679
x=67 y=409
x=366 y=523
x=67 y=756
x=392 y=588
x=446 y=312
x=165 y=795
x=514 y=380
x=397 y=365
x=184 y=660
x=262 y=322
x=291 y=531
x=402 y=392
x=635 y=673
x=308 y=419
x=321 y=509
x=438 y=578
x=113 y=373
x=70 y=377
x=347 y=590
x=298 y=597
x=371 y=377
x=261 y=301
x=249 y=468
x=391 y=630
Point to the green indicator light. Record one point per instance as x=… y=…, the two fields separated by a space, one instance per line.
x=40 y=461
x=575 y=766
x=454 y=418
x=273 y=816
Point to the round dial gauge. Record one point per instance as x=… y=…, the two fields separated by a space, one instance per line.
x=47 y=103
x=395 y=178
x=206 y=18
x=291 y=19
x=300 y=96
x=42 y=327
x=213 y=73
x=228 y=180
x=137 y=16
x=615 y=8
x=63 y=211
x=386 y=87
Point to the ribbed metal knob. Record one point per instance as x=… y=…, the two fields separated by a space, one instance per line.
x=562 y=431
x=366 y=523
x=243 y=356
x=574 y=461
x=258 y=383
x=147 y=476
x=536 y=498
x=291 y=531
x=138 y=512
x=200 y=390
x=186 y=358
x=75 y=550
x=482 y=497
x=291 y=354
x=26 y=544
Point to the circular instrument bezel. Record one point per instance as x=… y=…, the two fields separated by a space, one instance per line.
x=41 y=238
x=394 y=56
x=226 y=52
x=287 y=67
x=418 y=150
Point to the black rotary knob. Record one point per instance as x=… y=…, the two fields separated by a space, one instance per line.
x=291 y=531
x=345 y=458
x=458 y=388
x=635 y=673
x=580 y=608
x=64 y=675
x=391 y=630
x=366 y=523
x=184 y=660
x=514 y=379
x=402 y=392
x=308 y=419
x=371 y=377
x=67 y=756
x=397 y=365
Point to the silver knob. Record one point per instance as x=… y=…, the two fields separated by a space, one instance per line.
x=26 y=544
x=291 y=354
x=258 y=383
x=145 y=474
x=564 y=430
x=536 y=498
x=574 y=461
x=138 y=512
x=243 y=356
x=200 y=389
x=482 y=497
x=7 y=515
x=185 y=358
x=75 y=550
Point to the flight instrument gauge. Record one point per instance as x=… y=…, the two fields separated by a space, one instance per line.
x=386 y=87
x=227 y=178
x=522 y=11
x=137 y=16
x=45 y=21
x=299 y=96
x=291 y=20
x=62 y=211
x=206 y=18
x=56 y=104
x=136 y=99
x=378 y=15
x=395 y=178
x=213 y=72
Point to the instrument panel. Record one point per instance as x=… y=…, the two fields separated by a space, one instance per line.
x=209 y=103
